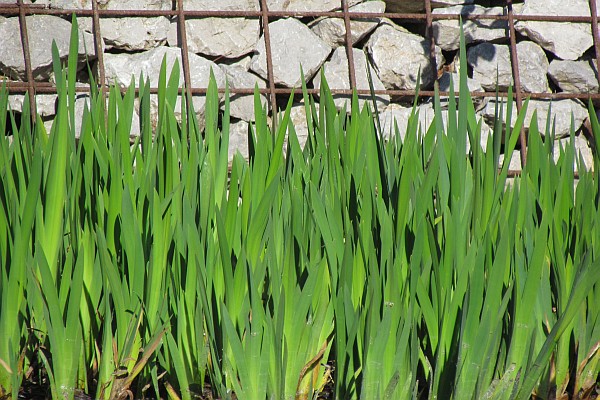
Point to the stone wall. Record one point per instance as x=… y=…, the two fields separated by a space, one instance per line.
x=553 y=56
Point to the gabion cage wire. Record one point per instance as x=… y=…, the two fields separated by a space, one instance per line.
x=21 y=9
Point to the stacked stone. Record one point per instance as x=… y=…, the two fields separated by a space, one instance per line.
x=552 y=56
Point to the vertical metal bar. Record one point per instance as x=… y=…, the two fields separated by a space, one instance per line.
x=429 y=35
x=27 y=58
x=268 y=54
x=98 y=48
x=349 y=50
x=596 y=35
x=516 y=78
x=184 y=49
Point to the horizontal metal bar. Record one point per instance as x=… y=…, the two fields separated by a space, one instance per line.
x=48 y=88
x=11 y=9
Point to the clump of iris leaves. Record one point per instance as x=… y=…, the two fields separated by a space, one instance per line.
x=357 y=267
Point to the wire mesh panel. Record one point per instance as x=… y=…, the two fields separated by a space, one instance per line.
x=352 y=36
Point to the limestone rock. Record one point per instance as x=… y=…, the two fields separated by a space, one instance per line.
x=514 y=163
x=337 y=75
x=491 y=65
x=447 y=32
x=333 y=30
x=227 y=37
x=293 y=45
x=80 y=102
x=398 y=55
x=224 y=5
x=574 y=76
x=307 y=5
x=121 y=67
x=238 y=139
x=45 y=103
x=47 y=29
x=492 y=60
x=298 y=119
x=561 y=114
x=417 y=6
x=474 y=86
x=533 y=67
x=444 y=82
x=396 y=115
x=242 y=105
x=581 y=148
x=567 y=41
x=109 y=4
x=132 y=34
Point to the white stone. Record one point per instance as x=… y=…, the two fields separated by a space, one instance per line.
x=47 y=29
x=398 y=55
x=337 y=75
x=333 y=30
x=307 y=5
x=581 y=148
x=238 y=139
x=132 y=34
x=121 y=67
x=222 y=5
x=561 y=115
x=242 y=105
x=447 y=32
x=514 y=163
x=567 y=41
x=396 y=115
x=574 y=76
x=417 y=6
x=227 y=37
x=490 y=61
x=45 y=103
x=81 y=100
x=109 y=4
x=293 y=45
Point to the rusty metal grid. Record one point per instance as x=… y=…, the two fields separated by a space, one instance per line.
x=21 y=9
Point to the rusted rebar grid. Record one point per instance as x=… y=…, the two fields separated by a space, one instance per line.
x=426 y=19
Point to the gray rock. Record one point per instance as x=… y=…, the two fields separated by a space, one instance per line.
x=45 y=103
x=447 y=32
x=293 y=45
x=581 y=148
x=80 y=102
x=398 y=55
x=238 y=139
x=444 y=82
x=242 y=105
x=567 y=41
x=490 y=61
x=298 y=119
x=396 y=115
x=227 y=37
x=533 y=67
x=333 y=30
x=474 y=86
x=47 y=29
x=224 y=5
x=307 y=5
x=514 y=163
x=121 y=67
x=574 y=76
x=109 y=4
x=417 y=6
x=561 y=114
x=337 y=75
x=132 y=34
